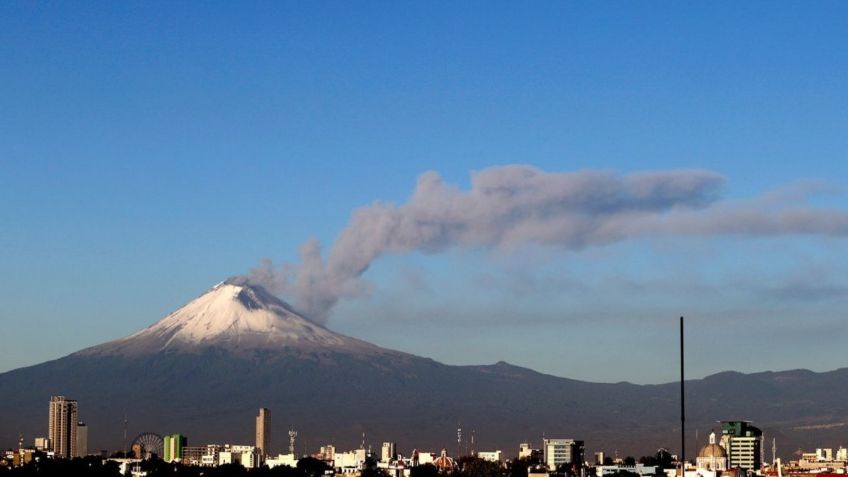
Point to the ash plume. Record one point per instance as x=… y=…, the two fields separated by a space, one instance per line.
x=510 y=206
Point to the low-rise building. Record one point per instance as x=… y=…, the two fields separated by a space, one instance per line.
x=562 y=451
x=247 y=456
x=491 y=456
x=289 y=460
x=42 y=443
x=201 y=455
x=350 y=462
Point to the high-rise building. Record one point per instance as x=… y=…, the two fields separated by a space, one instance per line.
x=62 y=426
x=263 y=435
x=743 y=443
x=82 y=440
x=173 y=446
x=557 y=452
x=388 y=452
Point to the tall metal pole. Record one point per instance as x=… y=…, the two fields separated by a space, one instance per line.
x=682 y=409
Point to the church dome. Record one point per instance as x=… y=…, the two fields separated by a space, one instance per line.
x=443 y=462
x=713 y=450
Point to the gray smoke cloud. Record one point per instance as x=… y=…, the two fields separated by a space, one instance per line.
x=510 y=206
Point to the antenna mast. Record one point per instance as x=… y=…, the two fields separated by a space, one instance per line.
x=292 y=437
x=125 y=436
x=773 y=450
x=458 y=440
x=682 y=408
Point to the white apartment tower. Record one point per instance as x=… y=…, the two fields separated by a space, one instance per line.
x=388 y=452
x=62 y=426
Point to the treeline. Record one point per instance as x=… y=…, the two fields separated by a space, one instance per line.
x=306 y=467
x=96 y=467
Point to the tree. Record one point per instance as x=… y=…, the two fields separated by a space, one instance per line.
x=370 y=469
x=476 y=467
x=518 y=467
x=664 y=459
x=426 y=470
x=312 y=467
x=630 y=460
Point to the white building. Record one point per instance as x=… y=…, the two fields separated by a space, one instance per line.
x=282 y=460
x=62 y=426
x=388 y=452
x=247 y=456
x=42 y=443
x=525 y=451
x=419 y=458
x=328 y=453
x=842 y=454
x=349 y=462
x=639 y=469
x=824 y=455
x=712 y=456
x=562 y=451
x=491 y=456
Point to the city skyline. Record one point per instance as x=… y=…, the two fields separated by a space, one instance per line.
x=151 y=151
x=739 y=445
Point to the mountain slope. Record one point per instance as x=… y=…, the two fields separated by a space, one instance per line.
x=235 y=316
x=205 y=369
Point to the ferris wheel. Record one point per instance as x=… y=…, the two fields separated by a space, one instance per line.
x=148 y=444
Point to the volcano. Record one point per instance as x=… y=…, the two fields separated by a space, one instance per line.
x=205 y=369
x=238 y=319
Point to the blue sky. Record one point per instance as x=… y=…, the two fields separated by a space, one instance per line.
x=149 y=150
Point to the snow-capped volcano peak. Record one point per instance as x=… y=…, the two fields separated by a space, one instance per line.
x=236 y=316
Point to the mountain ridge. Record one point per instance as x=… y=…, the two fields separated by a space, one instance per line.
x=332 y=388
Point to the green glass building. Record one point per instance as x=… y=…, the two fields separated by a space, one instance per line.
x=174 y=445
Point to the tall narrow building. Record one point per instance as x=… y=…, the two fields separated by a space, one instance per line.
x=62 y=426
x=82 y=440
x=263 y=435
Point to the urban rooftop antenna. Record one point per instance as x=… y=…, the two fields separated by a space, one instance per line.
x=773 y=450
x=125 y=436
x=458 y=439
x=682 y=408
x=292 y=437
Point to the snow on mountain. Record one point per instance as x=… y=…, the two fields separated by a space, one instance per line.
x=238 y=317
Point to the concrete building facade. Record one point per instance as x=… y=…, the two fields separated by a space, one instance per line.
x=743 y=443
x=62 y=426
x=388 y=452
x=263 y=435
x=82 y=440
x=557 y=452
